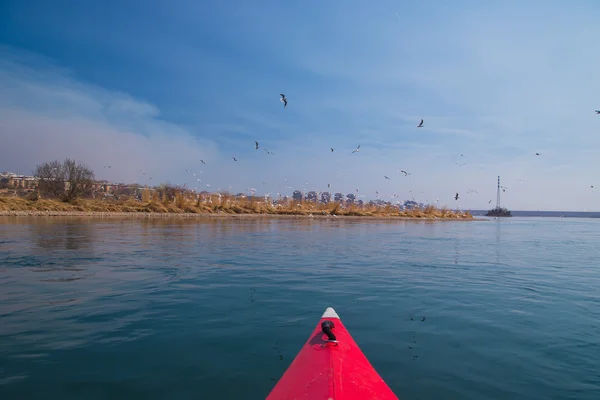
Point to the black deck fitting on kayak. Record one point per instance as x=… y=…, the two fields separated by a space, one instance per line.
x=327 y=326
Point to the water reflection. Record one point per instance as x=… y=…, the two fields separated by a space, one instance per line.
x=194 y=294
x=52 y=234
x=84 y=280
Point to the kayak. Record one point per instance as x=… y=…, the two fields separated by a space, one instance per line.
x=331 y=366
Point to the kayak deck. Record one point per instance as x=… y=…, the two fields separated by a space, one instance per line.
x=331 y=366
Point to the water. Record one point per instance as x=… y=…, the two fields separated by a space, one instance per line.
x=180 y=309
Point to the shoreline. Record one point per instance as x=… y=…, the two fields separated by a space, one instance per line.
x=147 y=215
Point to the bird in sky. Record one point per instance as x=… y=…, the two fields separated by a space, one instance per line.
x=234 y=159
x=456 y=196
x=537 y=154
x=404 y=172
x=357 y=149
x=597 y=111
x=269 y=152
x=256 y=146
x=332 y=149
x=283 y=100
x=386 y=177
x=420 y=124
x=202 y=161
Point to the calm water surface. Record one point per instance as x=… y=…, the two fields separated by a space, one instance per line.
x=179 y=309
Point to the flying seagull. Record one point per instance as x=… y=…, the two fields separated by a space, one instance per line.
x=537 y=154
x=404 y=172
x=386 y=177
x=234 y=159
x=256 y=146
x=283 y=100
x=357 y=149
x=597 y=111
x=269 y=152
x=202 y=161
x=456 y=196
x=420 y=124
x=332 y=149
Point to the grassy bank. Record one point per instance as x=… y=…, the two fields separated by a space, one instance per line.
x=214 y=205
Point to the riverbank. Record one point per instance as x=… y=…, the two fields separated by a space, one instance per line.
x=222 y=208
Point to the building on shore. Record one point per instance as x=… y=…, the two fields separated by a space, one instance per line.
x=16 y=181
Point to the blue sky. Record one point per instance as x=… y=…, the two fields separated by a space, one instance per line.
x=154 y=86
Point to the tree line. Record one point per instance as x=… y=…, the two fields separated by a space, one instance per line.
x=65 y=180
x=68 y=180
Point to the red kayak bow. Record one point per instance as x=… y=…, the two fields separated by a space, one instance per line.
x=331 y=366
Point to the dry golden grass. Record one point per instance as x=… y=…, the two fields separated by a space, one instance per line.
x=146 y=195
x=222 y=204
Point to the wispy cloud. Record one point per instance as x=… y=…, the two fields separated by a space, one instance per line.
x=496 y=82
x=47 y=114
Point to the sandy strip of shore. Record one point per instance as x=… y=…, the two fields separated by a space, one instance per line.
x=216 y=215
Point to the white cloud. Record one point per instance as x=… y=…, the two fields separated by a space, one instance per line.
x=46 y=114
x=494 y=84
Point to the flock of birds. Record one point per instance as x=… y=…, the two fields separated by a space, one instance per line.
x=257 y=146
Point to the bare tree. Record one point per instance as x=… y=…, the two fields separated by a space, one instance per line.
x=50 y=179
x=65 y=180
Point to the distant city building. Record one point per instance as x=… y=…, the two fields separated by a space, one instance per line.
x=325 y=197
x=297 y=195
x=338 y=197
x=16 y=181
x=378 y=202
x=410 y=205
x=312 y=196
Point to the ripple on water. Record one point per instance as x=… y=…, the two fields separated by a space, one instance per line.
x=157 y=309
